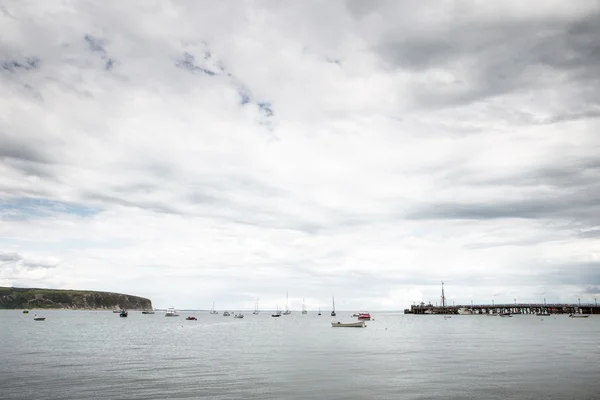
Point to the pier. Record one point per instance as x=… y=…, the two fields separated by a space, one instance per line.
x=512 y=308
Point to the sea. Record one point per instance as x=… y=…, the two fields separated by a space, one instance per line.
x=98 y=355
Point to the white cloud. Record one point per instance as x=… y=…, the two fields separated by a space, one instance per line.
x=457 y=145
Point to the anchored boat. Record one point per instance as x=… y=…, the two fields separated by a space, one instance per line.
x=359 y=324
x=171 y=312
x=364 y=316
x=333 y=311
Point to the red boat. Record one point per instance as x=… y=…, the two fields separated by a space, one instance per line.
x=191 y=319
x=364 y=316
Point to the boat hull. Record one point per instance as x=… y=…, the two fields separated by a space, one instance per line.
x=360 y=324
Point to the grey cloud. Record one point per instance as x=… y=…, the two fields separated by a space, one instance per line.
x=266 y=108
x=188 y=62
x=590 y=234
x=572 y=207
x=97 y=46
x=10 y=257
x=20 y=149
x=595 y=290
x=502 y=56
x=37 y=264
x=28 y=263
x=582 y=274
x=28 y=64
x=148 y=204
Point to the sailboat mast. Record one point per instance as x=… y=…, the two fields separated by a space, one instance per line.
x=443 y=297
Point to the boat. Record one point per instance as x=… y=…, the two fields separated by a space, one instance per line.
x=117 y=311
x=39 y=318
x=191 y=319
x=25 y=311
x=123 y=314
x=578 y=315
x=276 y=314
x=171 y=312
x=355 y=315
x=304 y=308
x=255 y=312
x=333 y=311
x=364 y=316
x=359 y=324
x=505 y=315
x=287 y=309
x=464 y=311
x=212 y=310
x=240 y=315
x=543 y=314
x=148 y=312
x=226 y=313
x=319 y=311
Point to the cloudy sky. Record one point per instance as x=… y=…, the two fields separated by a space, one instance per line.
x=193 y=152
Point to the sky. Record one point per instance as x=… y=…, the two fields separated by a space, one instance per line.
x=192 y=152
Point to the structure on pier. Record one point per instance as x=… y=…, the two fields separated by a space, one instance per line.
x=512 y=308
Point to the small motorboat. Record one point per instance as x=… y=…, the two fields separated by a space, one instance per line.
x=359 y=324
x=355 y=315
x=191 y=319
x=506 y=314
x=123 y=314
x=36 y=318
x=364 y=316
x=238 y=316
x=578 y=316
x=148 y=312
x=171 y=312
x=116 y=311
x=226 y=313
x=25 y=311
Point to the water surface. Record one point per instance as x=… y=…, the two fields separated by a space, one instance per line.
x=97 y=355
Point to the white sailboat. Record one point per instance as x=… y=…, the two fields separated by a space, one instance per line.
x=212 y=310
x=278 y=313
x=255 y=308
x=304 y=308
x=287 y=309
x=333 y=311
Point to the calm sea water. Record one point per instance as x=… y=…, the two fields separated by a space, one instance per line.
x=97 y=355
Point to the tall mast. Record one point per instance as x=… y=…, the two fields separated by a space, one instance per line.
x=443 y=297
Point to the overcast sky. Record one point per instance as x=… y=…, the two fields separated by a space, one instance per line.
x=193 y=152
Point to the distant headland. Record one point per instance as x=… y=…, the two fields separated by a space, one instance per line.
x=21 y=298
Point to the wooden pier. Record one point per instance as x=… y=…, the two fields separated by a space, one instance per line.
x=512 y=308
